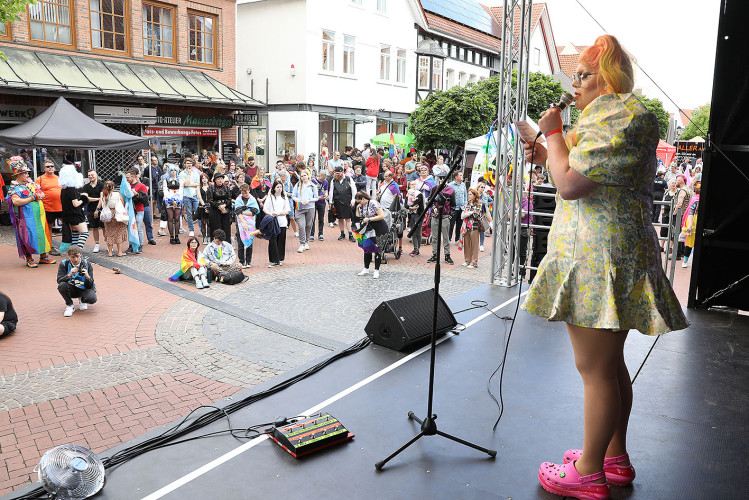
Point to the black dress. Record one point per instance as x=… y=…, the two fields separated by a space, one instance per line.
x=220 y=195
x=70 y=214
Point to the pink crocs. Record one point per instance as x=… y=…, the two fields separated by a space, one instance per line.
x=564 y=480
x=620 y=475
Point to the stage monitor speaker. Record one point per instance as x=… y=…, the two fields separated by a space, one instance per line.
x=406 y=322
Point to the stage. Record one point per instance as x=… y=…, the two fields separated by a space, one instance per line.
x=688 y=430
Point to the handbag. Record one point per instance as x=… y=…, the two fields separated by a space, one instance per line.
x=106 y=214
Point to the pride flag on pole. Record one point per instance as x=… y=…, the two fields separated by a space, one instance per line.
x=391 y=145
x=132 y=227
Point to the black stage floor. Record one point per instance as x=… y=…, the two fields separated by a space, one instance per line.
x=688 y=431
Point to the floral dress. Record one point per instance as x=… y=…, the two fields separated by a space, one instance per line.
x=603 y=267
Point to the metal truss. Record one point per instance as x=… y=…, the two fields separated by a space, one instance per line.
x=513 y=105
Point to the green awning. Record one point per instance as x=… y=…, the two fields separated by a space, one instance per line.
x=78 y=76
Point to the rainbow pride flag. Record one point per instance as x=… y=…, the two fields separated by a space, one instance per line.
x=366 y=241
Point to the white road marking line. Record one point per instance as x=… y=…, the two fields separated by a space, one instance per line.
x=241 y=449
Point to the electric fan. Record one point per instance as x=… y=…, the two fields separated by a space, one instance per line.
x=70 y=472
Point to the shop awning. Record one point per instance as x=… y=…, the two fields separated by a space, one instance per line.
x=26 y=70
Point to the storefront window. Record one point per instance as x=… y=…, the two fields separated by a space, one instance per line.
x=286 y=143
x=335 y=134
x=255 y=142
x=386 y=126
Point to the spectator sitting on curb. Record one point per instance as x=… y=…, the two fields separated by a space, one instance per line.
x=75 y=279
x=219 y=255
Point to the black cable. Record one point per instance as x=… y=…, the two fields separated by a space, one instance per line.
x=177 y=431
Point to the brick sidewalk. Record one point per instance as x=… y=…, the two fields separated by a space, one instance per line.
x=102 y=377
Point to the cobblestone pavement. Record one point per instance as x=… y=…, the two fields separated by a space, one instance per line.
x=150 y=350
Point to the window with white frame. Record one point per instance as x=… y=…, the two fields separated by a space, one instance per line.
x=384 y=62
x=537 y=56
x=109 y=24
x=461 y=53
x=486 y=61
x=328 y=50
x=400 y=75
x=454 y=51
x=450 y=79
x=437 y=74
x=423 y=72
x=349 y=47
x=381 y=5
x=462 y=78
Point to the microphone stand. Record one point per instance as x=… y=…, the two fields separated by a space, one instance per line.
x=428 y=425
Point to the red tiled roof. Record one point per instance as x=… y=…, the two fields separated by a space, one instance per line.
x=538 y=9
x=685 y=115
x=462 y=32
x=569 y=63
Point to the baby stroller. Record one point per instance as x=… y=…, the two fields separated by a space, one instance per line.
x=396 y=219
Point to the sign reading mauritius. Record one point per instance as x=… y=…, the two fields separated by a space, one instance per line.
x=189 y=120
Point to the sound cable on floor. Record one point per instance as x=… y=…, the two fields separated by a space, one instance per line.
x=167 y=437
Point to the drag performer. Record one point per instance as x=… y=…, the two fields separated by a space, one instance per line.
x=27 y=215
x=602 y=274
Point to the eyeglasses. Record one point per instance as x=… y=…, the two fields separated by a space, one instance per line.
x=578 y=78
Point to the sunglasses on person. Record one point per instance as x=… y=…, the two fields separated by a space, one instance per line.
x=578 y=78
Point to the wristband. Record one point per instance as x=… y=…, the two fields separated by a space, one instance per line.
x=558 y=130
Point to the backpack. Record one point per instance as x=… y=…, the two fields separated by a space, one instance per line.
x=232 y=277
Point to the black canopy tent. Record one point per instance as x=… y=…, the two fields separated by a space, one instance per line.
x=62 y=125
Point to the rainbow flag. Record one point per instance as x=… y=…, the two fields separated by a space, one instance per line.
x=366 y=241
x=29 y=221
x=391 y=145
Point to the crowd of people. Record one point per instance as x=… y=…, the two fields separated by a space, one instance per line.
x=359 y=191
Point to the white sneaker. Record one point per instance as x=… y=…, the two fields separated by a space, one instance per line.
x=296 y=235
x=181 y=230
x=69 y=311
x=364 y=272
x=300 y=249
x=684 y=263
x=306 y=246
x=82 y=306
x=192 y=233
x=469 y=266
x=464 y=264
x=376 y=274
x=330 y=224
x=161 y=233
x=481 y=247
x=96 y=248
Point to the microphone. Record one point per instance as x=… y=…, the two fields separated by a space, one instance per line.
x=564 y=101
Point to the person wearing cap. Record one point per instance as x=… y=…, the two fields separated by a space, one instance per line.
x=75 y=279
x=341 y=196
x=28 y=216
x=49 y=182
x=251 y=169
x=219 y=205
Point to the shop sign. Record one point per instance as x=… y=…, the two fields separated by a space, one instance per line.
x=246 y=119
x=10 y=113
x=689 y=151
x=189 y=120
x=125 y=114
x=180 y=132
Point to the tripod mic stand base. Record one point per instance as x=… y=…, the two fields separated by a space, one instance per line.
x=429 y=428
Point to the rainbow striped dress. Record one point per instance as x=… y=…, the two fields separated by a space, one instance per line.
x=29 y=221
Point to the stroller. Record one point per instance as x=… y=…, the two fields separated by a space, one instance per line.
x=396 y=219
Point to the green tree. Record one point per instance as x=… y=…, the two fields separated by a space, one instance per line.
x=698 y=125
x=9 y=10
x=656 y=106
x=449 y=118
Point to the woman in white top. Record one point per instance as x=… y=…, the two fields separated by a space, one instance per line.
x=173 y=187
x=277 y=205
x=304 y=196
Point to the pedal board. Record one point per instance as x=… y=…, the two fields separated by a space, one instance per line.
x=311 y=434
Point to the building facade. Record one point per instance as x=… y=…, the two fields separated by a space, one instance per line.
x=158 y=69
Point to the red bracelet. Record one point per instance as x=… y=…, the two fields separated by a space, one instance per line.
x=559 y=130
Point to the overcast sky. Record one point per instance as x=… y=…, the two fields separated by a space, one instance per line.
x=673 y=40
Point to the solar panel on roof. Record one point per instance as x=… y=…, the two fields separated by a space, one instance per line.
x=468 y=12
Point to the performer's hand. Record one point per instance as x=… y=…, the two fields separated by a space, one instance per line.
x=40 y=195
x=537 y=157
x=550 y=120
